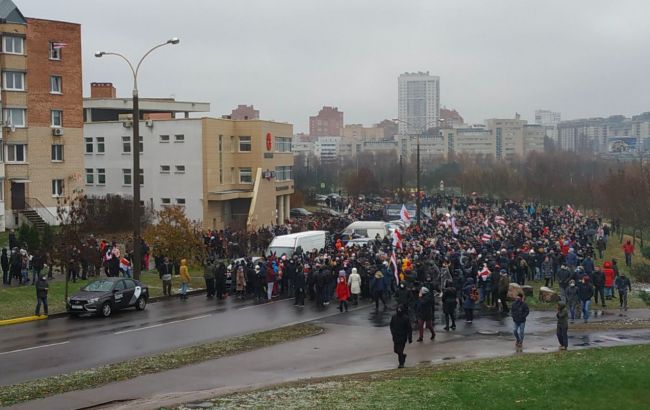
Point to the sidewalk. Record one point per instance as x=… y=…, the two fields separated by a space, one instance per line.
x=350 y=344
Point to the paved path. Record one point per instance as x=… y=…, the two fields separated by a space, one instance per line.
x=354 y=342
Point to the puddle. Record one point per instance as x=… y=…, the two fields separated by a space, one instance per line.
x=449 y=358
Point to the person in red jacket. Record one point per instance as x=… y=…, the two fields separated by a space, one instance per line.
x=628 y=249
x=610 y=275
x=342 y=291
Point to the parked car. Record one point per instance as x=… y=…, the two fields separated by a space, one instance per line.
x=299 y=212
x=104 y=296
x=327 y=211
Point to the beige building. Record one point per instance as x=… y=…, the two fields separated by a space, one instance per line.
x=225 y=173
x=41 y=115
x=357 y=132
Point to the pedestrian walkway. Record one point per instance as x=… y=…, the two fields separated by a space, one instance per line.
x=352 y=343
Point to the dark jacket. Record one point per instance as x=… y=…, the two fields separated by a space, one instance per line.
x=468 y=303
x=404 y=297
x=41 y=288
x=598 y=277
x=449 y=300
x=585 y=291
x=400 y=328
x=564 y=276
x=519 y=311
x=299 y=281
x=424 y=310
x=623 y=284
x=562 y=316
x=4 y=261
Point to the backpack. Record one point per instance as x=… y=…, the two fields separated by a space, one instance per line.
x=473 y=294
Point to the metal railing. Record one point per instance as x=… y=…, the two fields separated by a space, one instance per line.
x=44 y=212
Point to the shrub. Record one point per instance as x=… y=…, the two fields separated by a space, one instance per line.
x=641 y=272
x=645 y=251
x=645 y=296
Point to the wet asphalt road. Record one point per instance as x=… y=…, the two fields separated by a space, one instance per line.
x=51 y=347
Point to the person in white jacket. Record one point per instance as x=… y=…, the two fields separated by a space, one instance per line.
x=354 y=281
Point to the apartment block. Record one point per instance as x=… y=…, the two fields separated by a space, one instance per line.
x=418 y=102
x=225 y=173
x=328 y=123
x=41 y=96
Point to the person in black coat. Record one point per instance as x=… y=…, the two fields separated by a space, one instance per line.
x=299 y=284
x=400 y=329
x=4 y=262
x=220 y=280
x=424 y=312
x=449 y=302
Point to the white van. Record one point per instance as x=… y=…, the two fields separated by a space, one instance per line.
x=287 y=244
x=368 y=229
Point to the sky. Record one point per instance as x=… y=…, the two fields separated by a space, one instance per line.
x=495 y=58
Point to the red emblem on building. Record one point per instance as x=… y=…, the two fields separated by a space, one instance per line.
x=269 y=141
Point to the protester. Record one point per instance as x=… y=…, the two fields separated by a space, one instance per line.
x=342 y=291
x=449 y=302
x=470 y=295
x=424 y=312
x=185 y=278
x=624 y=286
x=519 y=312
x=562 y=325
x=586 y=292
x=628 y=249
x=354 y=281
x=41 y=295
x=400 y=329
x=377 y=290
x=165 y=273
x=209 y=277
x=573 y=300
x=609 y=276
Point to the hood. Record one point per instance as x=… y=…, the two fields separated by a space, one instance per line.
x=183 y=262
x=354 y=270
x=607 y=265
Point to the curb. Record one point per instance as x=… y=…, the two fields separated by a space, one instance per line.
x=59 y=315
x=22 y=320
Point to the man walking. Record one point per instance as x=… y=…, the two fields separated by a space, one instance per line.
x=628 y=249
x=165 y=273
x=623 y=285
x=41 y=295
x=209 y=276
x=424 y=312
x=599 y=285
x=400 y=329
x=519 y=311
x=585 y=293
x=562 y=325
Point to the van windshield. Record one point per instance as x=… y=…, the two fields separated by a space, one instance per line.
x=279 y=250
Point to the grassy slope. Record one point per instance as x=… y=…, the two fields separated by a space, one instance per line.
x=595 y=378
x=18 y=301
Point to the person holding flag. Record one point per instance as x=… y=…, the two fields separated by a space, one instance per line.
x=404 y=215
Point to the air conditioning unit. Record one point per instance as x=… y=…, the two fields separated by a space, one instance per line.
x=149 y=123
x=57 y=132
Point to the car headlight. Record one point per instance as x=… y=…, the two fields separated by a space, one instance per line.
x=93 y=300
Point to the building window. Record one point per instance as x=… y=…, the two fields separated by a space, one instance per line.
x=13 y=45
x=55 y=50
x=126 y=176
x=57 y=187
x=13 y=81
x=101 y=176
x=180 y=169
x=179 y=138
x=221 y=159
x=166 y=201
x=180 y=201
x=141 y=139
x=164 y=138
x=101 y=148
x=16 y=152
x=141 y=176
x=89 y=145
x=14 y=117
x=164 y=169
x=283 y=173
x=57 y=152
x=57 y=118
x=245 y=176
x=56 y=84
x=90 y=176
x=283 y=144
x=126 y=145
x=245 y=144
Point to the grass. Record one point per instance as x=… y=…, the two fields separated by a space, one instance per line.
x=18 y=301
x=86 y=379
x=586 y=379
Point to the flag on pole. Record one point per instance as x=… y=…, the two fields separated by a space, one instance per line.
x=397 y=239
x=404 y=215
x=393 y=261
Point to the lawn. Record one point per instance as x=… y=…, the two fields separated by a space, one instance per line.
x=586 y=379
x=18 y=301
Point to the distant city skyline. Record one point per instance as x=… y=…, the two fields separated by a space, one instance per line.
x=290 y=58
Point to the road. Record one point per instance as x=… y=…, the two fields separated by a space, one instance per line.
x=50 y=347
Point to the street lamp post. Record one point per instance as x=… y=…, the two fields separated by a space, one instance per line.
x=417 y=169
x=135 y=150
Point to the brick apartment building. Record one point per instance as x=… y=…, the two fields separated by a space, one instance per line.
x=41 y=97
x=245 y=112
x=328 y=123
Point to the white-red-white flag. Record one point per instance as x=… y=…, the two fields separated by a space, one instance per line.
x=58 y=45
x=397 y=239
x=500 y=220
x=486 y=237
x=393 y=261
x=404 y=215
x=454 y=228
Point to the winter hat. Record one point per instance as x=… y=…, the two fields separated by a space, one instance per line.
x=424 y=290
x=341 y=273
x=354 y=270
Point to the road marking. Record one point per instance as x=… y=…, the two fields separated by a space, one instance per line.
x=34 y=347
x=264 y=304
x=161 y=324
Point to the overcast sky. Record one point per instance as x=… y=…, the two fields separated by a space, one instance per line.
x=290 y=57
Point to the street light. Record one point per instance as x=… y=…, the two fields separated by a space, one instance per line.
x=417 y=171
x=135 y=173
